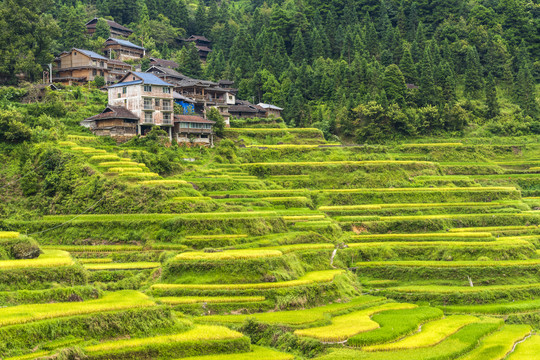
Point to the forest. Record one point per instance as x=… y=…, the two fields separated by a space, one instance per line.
x=359 y=70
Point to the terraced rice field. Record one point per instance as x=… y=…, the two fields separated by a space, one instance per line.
x=286 y=251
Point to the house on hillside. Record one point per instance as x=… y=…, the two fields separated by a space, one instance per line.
x=203 y=93
x=79 y=66
x=114 y=121
x=123 y=49
x=164 y=63
x=115 y=28
x=148 y=97
x=201 y=43
x=193 y=129
x=245 y=109
x=271 y=110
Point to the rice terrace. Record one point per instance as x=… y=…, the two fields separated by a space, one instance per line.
x=269 y=180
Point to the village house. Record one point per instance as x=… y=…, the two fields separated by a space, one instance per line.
x=164 y=63
x=115 y=28
x=79 y=66
x=115 y=121
x=204 y=94
x=201 y=43
x=193 y=129
x=245 y=109
x=146 y=96
x=123 y=49
x=271 y=110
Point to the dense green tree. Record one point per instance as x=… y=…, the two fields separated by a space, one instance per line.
x=299 y=48
x=394 y=84
x=492 y=103
x=408 y=68
x=102 y=29
x=219 y=126
x=474 y=82
x=526 y=91
x=189 y=60
x=426 y=83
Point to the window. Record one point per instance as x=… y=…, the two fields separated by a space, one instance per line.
x=101 y=73
x=167 y=119
x=148 y=117
x=230 y=97
x=94 y=72
x=101 y=64
x=157 y=102
x=134 y=78
x=124 y=90
x=119 y=95
x=148 y=88
x=166 y=90
x=147 y=104
x=167 y=105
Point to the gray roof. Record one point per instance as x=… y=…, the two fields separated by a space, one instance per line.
x=178 y=96
x=125 y=43
x=127 y=83
x=150 y=79
x=91 y=54
x=269 y=106
x=167 y=71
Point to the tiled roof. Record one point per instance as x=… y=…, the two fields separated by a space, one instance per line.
x=91 y=54
x=118 y=62
x=125 y=43
x=168 y=71
x=112 y=24
x=126 y=83
x=182 y=97
x=113 y=112
x=203 y=48
x=164 y=63
x=192 y=119
x=269 y=106
x=197 y=37
x=150 y=79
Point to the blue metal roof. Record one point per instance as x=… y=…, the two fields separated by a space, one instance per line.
x=150 y=79
x=127 y=83
x=91 y=54
x=126 y=43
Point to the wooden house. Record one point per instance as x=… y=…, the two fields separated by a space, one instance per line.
x=79 y=66
x=164 y=63
x=271 y=110
x=205 y=94
x=115 y=28
x=245 y=109
x=122 y=49
x=113 y=121
x=146 y=96
x=201 y=43
x=193 y=129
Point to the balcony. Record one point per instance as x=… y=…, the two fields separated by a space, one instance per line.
x=167 y=108
x=167 y=122
x=148 y=106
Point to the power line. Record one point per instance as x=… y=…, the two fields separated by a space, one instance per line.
x=64 y=223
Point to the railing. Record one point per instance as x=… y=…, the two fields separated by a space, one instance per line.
x=167 y=108
x=148 y=106
x=167 y=122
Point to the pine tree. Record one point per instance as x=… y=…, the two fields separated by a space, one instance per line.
x=526 y=91
x=299 y=48
x=372 y=39
x=189 y=60
x=426 y=83
x=102 y=30
x=394 y=84
x=473 y=74
x=492 y=103
x=447 y=83
x=407 y=67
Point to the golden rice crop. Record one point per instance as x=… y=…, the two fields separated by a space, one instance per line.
x=164 y=182
x=307 y=279
x=433 y=144
x=127 y=163
x=191 y=198
x=95 y=260
x=228 y=255
x=94 y=248
x=198 y=333
x=449 y=264
x=408 y=205
x=49 y=258
x=123 y=266
x=108 y=157
x=431 y=334
x=125 y=299
x=9 y=234
x=346 y=326
x=34 y=355
x=219 y=236
x=124 y=169
x=423 y=235
x=258 y=352
x=173 y=300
